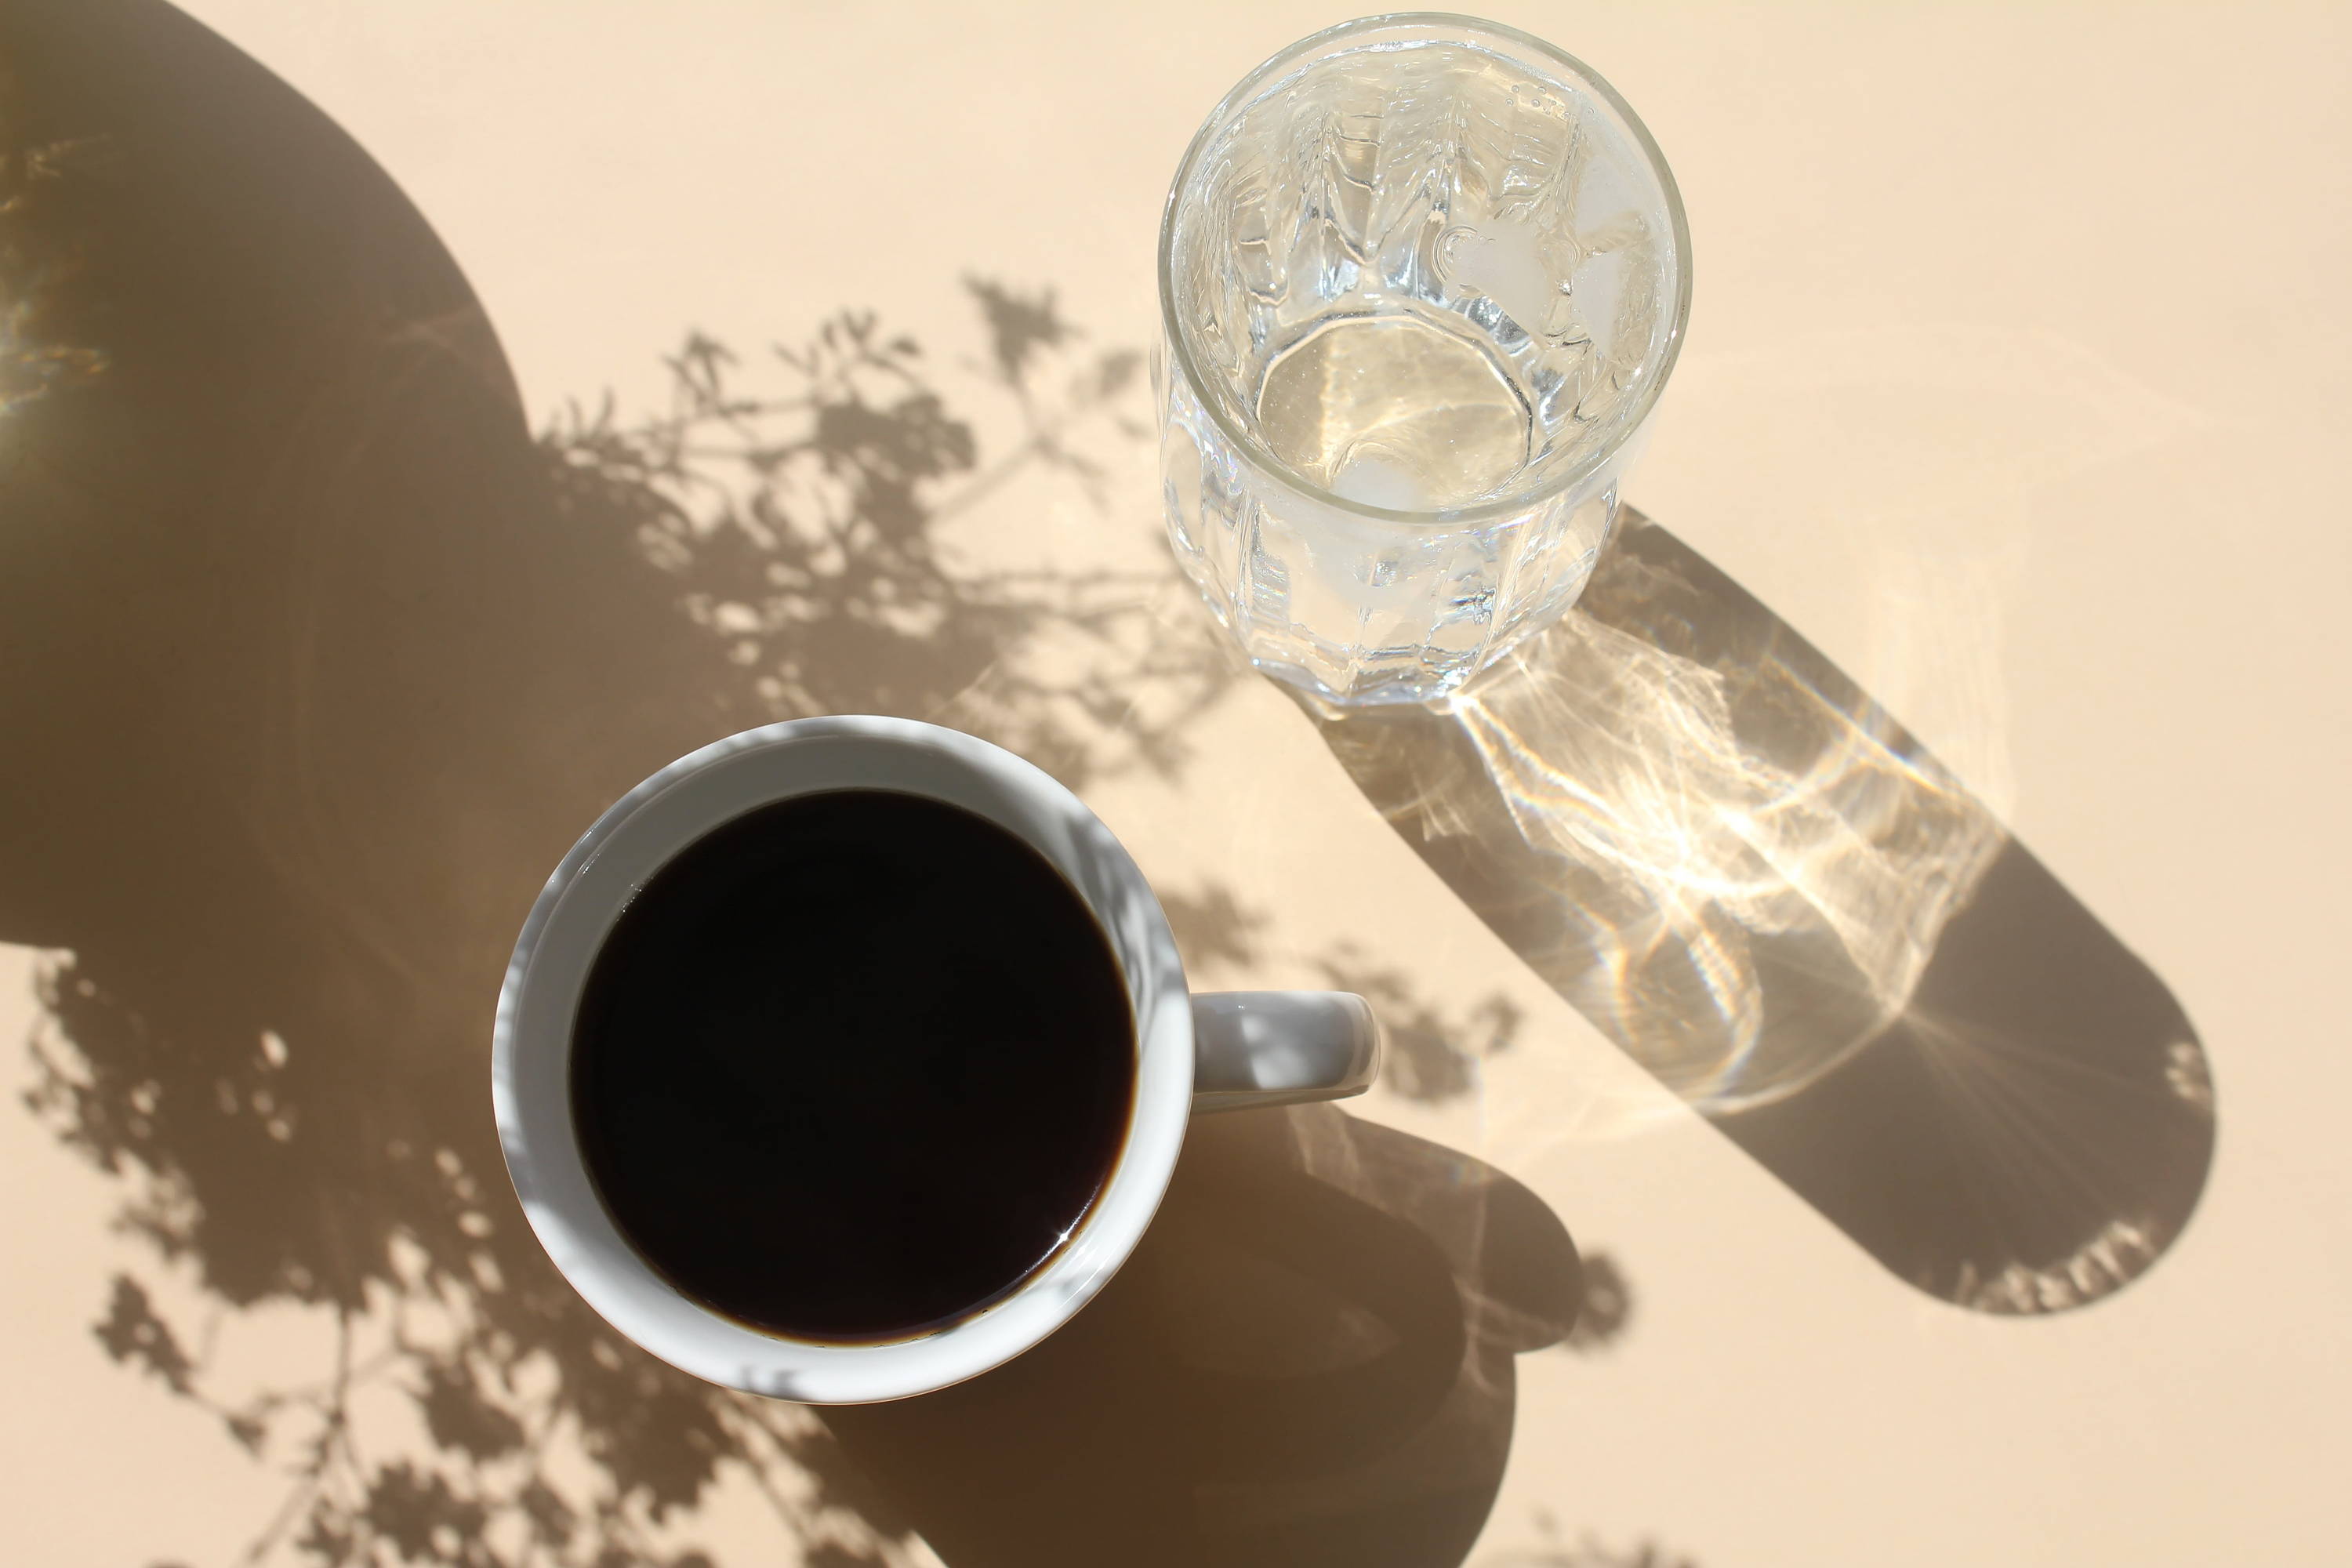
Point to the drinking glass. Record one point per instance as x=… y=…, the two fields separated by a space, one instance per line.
x=1421 y=280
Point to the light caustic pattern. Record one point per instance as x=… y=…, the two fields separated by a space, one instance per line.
x=1731 y=860
x=1425 y=278
x=1734 y=863
x=1701 y=874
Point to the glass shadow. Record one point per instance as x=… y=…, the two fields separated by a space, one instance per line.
x=1742 y=871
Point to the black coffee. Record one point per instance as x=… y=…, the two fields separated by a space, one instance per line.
x=853 y=1066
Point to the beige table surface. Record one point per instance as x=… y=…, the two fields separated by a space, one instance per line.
x=2017 y=383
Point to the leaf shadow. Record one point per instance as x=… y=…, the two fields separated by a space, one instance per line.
x=336 y=657
x=338 y=654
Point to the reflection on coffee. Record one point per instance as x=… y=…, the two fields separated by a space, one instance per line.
x=853 y=1066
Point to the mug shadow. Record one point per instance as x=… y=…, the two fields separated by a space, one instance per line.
x=1307 y=1361
x=321 y=659
x=1742 y=871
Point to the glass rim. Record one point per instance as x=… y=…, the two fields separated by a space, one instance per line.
x=1578 y=73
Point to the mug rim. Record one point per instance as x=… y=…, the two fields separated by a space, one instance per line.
x=643 y=831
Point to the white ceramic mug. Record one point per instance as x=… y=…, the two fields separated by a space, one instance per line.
x=1193 y=1053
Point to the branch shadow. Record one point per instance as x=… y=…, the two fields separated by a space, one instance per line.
x=1741 y=869
x=331 y=657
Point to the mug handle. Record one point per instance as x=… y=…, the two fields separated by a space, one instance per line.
x=1256 y=1048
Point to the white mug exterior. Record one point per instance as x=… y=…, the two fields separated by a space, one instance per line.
x=531 y=1056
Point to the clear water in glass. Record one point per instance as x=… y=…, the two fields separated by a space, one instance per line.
x=1422 y=280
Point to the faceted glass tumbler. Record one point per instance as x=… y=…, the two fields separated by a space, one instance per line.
x=1421 y=280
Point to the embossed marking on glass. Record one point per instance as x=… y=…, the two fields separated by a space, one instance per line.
x=1422 y=279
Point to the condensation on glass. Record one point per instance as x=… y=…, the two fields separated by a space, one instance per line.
x=1421 y=280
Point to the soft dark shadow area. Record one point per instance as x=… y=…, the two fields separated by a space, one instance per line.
x=316 y=662
x=1308 y=1362
x=317 y=659
x=1743 y=871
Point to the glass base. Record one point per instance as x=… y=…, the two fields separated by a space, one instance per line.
x=1321 y=700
